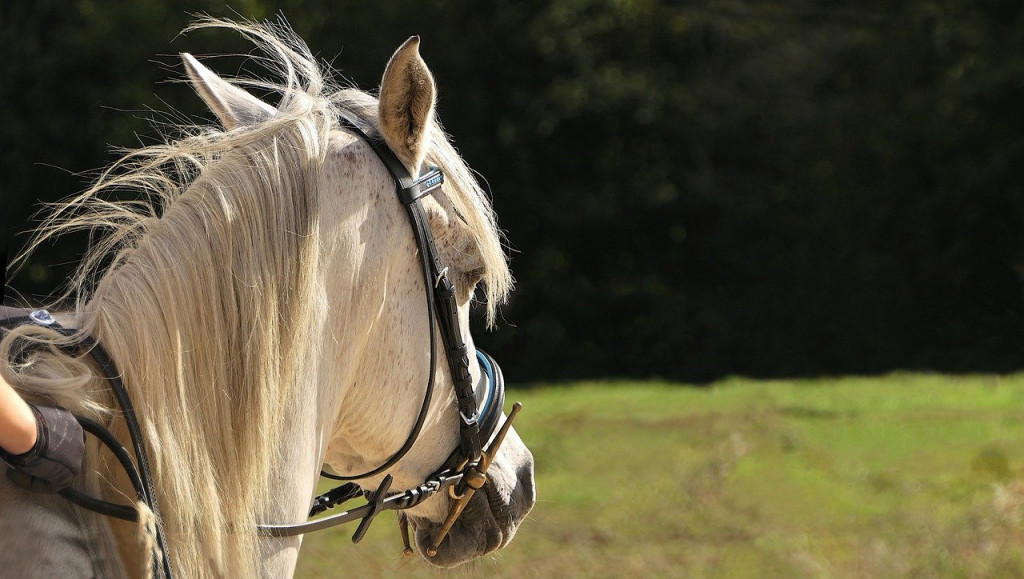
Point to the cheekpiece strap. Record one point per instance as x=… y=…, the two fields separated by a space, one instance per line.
x=411 y=190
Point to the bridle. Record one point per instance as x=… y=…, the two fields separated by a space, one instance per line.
x=463 y=473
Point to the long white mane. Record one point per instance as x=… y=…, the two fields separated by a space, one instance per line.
x=203 y=289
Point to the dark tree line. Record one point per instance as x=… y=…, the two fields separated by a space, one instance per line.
x=691 y=190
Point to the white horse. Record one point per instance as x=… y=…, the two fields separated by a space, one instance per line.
x=265 y=308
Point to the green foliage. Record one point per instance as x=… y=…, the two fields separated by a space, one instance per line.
x=690 y=190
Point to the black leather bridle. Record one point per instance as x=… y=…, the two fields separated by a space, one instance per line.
x=464 y=471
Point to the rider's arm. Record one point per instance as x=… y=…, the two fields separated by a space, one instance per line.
x=43 y=446
x=17 y=422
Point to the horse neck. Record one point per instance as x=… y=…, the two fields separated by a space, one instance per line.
x=285 y=495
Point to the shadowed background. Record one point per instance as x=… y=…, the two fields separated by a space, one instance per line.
x=690 y=191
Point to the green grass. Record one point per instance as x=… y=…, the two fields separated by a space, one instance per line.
x=903 y=475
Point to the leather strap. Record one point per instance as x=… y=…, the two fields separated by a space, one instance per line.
x=440 y=294
x=86 y=345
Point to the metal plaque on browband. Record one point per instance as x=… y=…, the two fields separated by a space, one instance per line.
x=425 y=185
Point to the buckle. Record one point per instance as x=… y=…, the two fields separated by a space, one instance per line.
x=469 y=421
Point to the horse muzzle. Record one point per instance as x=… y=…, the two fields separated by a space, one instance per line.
x=488 y=518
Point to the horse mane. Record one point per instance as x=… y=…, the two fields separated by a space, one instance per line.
x=203 y=289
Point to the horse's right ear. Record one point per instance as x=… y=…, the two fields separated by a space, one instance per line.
x=232 y=105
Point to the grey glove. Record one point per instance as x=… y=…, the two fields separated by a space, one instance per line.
x=52 y=464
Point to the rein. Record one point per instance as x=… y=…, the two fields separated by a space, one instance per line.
x=141 y=476
x=461 y=474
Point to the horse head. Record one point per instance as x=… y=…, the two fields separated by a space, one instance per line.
x=375 y=332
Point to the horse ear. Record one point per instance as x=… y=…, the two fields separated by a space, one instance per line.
x=232 y=105
x=406 y=107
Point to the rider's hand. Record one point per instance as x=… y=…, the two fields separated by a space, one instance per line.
x=56 y=458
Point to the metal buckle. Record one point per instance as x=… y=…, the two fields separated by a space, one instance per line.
x=441 y=278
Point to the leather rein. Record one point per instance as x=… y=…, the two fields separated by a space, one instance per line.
x=461 y=474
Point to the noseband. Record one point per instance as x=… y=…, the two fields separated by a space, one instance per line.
x=462 y=473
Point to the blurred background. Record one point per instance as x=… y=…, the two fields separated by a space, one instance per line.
x=691 y=190
x=786 y=191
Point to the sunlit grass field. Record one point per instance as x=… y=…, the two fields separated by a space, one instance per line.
x=902 y=475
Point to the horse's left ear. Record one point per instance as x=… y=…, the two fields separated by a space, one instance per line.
x=232 y=105
x=406 y=108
